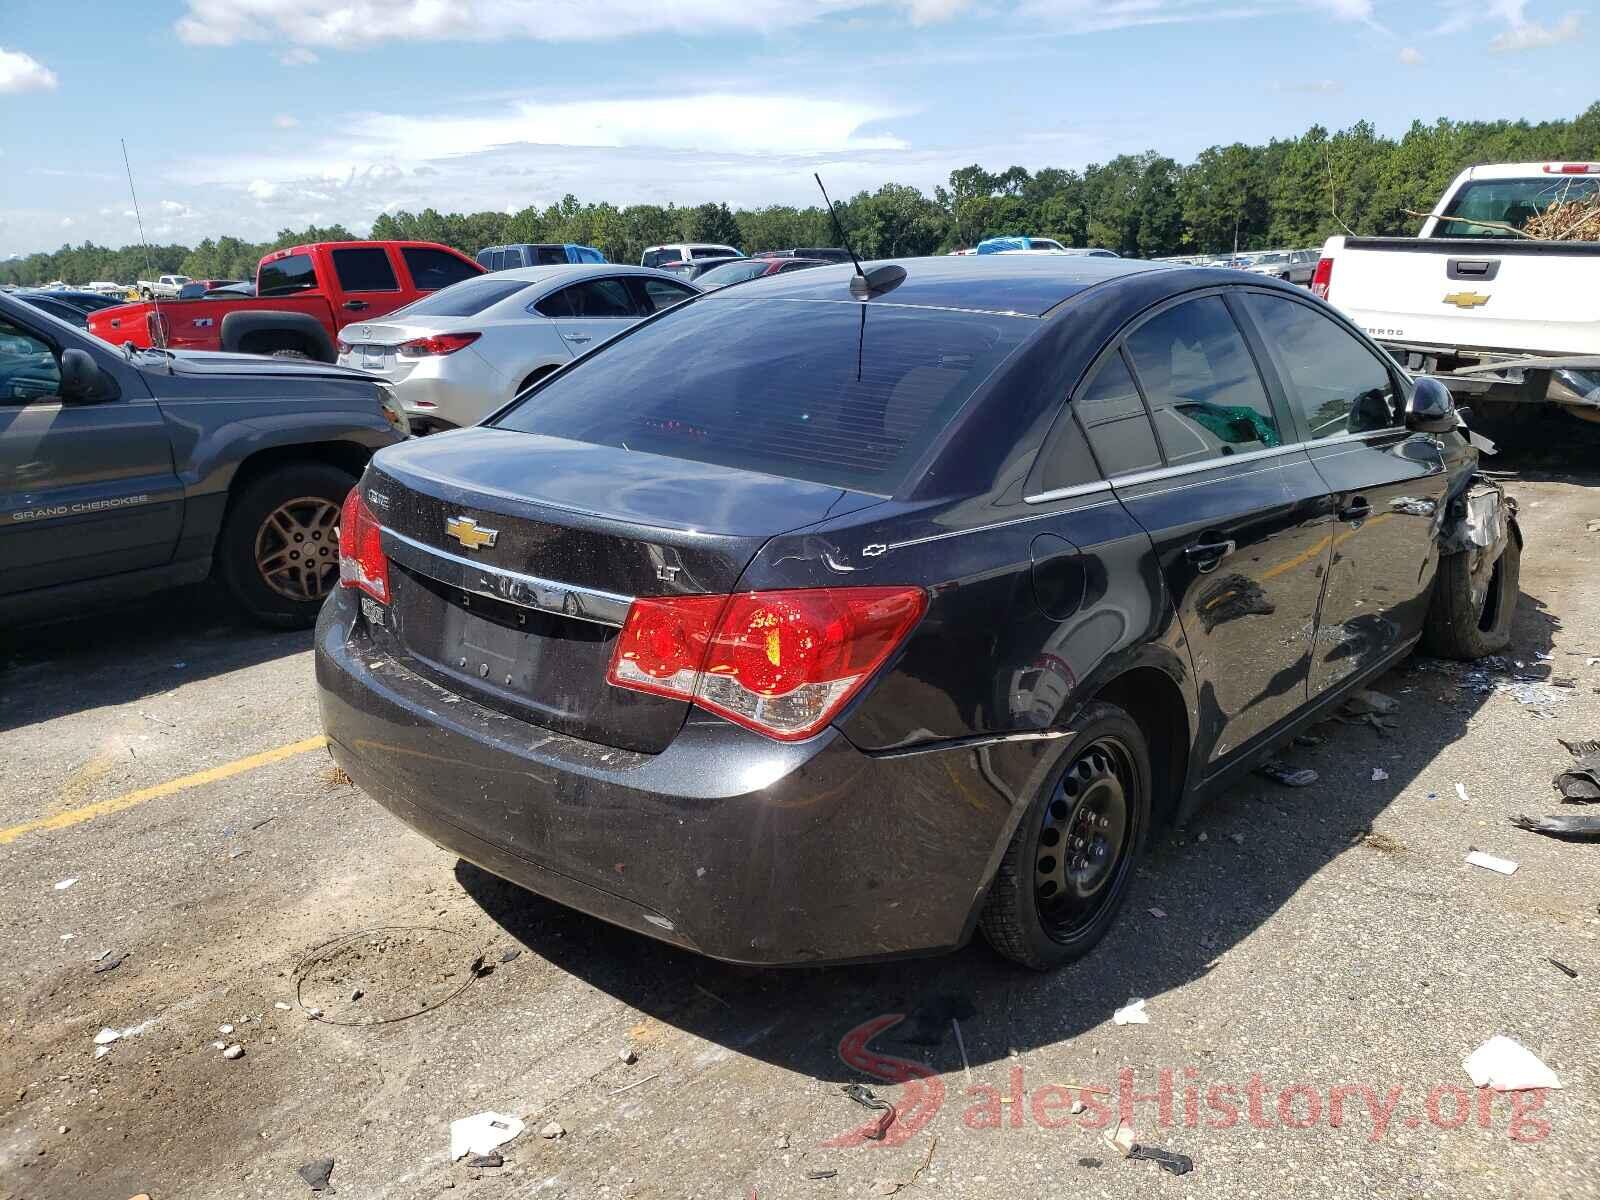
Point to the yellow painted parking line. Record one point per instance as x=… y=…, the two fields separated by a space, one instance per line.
x=100 y=808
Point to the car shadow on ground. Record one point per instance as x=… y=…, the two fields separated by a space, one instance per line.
x=117 y=655
x=1213 y=895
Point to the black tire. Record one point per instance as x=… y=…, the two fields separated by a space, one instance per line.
x=302 y=489
x=1461 y=626
x=1030 y=917
x=301 y=354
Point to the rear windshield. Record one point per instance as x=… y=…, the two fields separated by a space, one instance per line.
x=465 y=299
x=844 y=393
x=1509 y=202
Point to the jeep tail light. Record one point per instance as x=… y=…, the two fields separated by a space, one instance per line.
x=362 y=564
x=1322 y=277
x=782 y=663
x=439 y=343
x=156 y=326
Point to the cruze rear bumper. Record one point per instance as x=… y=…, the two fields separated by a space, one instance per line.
x=726 y=843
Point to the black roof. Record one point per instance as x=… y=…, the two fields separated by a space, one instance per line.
x=1025 y=284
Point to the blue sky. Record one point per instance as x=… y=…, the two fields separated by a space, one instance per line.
x=246 y=116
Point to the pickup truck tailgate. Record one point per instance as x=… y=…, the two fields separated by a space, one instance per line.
x=1532 y=297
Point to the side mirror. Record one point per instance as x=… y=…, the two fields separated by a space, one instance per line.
x=1431 y=409
x=82 y=382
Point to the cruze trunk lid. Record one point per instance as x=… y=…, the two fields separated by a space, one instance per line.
x=513 y=558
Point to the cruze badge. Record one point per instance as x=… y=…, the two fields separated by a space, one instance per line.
x=469 y=533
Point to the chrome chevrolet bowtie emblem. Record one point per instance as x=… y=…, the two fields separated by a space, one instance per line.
x=1467 y=299
x=469 y=533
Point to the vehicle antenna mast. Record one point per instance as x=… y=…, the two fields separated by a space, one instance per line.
x=866 y=284
x=149 y=264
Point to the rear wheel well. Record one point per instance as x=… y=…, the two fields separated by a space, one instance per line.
x=1154 y=701
x=533 y=377
x=267 y=341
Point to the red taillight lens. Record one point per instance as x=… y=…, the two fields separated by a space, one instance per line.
x=1322 y=277
x=439 y=343
x=782 y=663
x=343 y=346
x=362 y=564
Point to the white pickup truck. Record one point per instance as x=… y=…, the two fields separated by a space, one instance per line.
x=1510 y=322
x=166 y=287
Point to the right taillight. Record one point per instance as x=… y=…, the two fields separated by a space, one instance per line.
x=362 y=564
x=782 y=663
x=436 y=345
x=1322 y=277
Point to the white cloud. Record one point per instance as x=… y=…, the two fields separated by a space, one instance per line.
x=298 y=57
x=1411 y=56
x=285 y=121
x=260 y=189
x=1318 y=87
x=1531 y=35
x=21 y=72
x=359 y=23
x=67 y=222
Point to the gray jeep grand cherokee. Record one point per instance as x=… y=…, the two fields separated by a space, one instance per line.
x=124 y=471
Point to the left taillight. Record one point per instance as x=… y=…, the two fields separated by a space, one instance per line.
x=156 y=326
x=782 y=663
x=439 y=343
x=362 y=564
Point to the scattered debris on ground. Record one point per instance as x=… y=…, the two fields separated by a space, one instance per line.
x=1379 y=774
x=1563 y=968
x=1281 y=772
x=395 y=972
x=552 y=1131
x=66 y=883
x=1508 y=1066
x=1576 y=826
x=483 y=1132
x=492 y=1159
x=316 y=1175
x=1121 y=1139
x=1580 y=783
x=234 y=1051
x=865 y=1097
x=1489 y=862
x=1131 y=1013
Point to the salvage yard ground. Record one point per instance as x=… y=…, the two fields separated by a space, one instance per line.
x=1317 y=957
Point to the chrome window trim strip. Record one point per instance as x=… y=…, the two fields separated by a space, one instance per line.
x=510 y=587
x=939 y=537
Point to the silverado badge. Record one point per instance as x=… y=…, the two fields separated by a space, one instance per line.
x=1467 y=299
x=469 y=533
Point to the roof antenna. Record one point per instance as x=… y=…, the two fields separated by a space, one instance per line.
x=865 y=284
x=149 y=264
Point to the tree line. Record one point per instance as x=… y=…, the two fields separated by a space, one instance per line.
x=1289 y=193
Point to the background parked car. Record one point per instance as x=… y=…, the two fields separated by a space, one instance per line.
x=698 y=267
x=536 y=254
x=164 y=287
x=1292 y=266
x=70 y=306
x=303 y=296
x=655 y=256
x=740 y=270
x=825 y=253
x=456 y=356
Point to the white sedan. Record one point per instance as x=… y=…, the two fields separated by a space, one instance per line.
x=457 y=355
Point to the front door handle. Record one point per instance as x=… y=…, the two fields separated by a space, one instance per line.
x=576 y=337
x=1357 y=510
x=355 y=305
x=1208 y=556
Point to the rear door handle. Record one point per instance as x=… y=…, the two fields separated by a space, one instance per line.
x=355 y=305
x=1208 y=556
x=576 y=337
x=1357 y=510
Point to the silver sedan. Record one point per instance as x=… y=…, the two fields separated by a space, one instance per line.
x=457 y=355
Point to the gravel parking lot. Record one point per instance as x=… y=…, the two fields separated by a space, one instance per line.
x=181 y=857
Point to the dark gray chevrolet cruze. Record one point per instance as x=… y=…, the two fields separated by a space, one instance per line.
x=804 y=623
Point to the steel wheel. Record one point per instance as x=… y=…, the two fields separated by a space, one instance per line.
x=1084 y=842
x=297 y=548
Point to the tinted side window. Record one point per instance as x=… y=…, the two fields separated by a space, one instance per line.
x=1335 y=382
x=1203 y=388
x=659 y=294
x=28 y=367
x=292 y=274
x=654 y=258
x=365 y=270
x=434 y=269
x=1114 y=419
x=549 y=256
x=599 y=298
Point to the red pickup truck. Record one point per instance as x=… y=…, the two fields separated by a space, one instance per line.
x=304 y=296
